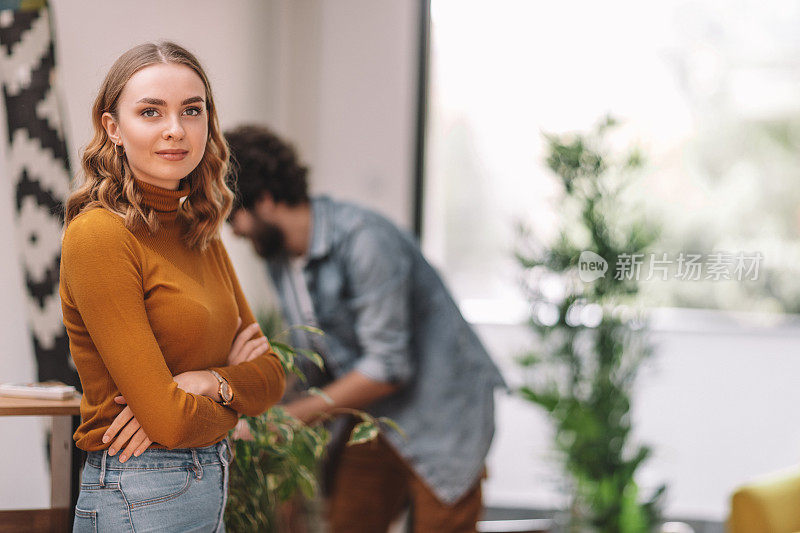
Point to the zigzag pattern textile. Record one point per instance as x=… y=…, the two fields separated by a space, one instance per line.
x=37 y=164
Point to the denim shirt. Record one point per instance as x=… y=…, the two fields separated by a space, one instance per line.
x=386 y=313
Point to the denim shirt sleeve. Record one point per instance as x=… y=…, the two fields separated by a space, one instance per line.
x=379 y=276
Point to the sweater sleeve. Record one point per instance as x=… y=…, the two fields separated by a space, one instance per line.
x=259 y=383
x=103 y=267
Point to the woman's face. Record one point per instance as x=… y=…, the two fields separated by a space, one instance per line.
x=162 y=123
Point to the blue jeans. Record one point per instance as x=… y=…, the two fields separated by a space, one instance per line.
x=161 y=490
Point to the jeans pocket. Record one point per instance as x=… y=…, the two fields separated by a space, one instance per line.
x=85 y=521
x=143 y=487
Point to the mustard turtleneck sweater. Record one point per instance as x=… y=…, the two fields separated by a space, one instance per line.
x=140 y=308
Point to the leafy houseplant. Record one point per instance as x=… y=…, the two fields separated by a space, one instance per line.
x=590 y=342
x=284 y=455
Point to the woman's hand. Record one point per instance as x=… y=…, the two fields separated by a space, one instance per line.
x=126 y=428
x=131 y=431
x=243 y=349
x=200 y=382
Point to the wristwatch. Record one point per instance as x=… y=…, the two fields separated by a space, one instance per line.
x=225 y=391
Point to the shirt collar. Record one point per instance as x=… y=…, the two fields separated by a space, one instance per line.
x=321 y=228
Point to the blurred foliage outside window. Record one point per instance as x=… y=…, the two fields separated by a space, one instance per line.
x=710 y=92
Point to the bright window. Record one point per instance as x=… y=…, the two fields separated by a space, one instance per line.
x=709 y=90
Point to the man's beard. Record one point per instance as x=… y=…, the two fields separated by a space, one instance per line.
x=268 y=240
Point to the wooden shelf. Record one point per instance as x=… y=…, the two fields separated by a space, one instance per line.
x=10 y=406
x=60 y=413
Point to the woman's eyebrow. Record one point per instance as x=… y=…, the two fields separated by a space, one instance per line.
x=158 y=101
x=192 y=100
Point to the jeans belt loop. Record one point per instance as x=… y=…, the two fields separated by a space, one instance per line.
x=103 y=468
x=198 y=469
x=225 y=452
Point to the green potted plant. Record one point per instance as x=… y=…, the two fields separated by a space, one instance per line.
x=591 y=341
x=284 y=455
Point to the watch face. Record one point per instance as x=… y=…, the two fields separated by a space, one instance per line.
x=225 y=392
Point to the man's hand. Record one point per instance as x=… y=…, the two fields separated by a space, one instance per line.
x=307 y=410
x=354 y=390
x=242 y=431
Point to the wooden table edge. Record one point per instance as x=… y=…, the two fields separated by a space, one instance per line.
x=11 y=406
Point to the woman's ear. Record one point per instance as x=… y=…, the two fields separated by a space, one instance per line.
x=111 y=127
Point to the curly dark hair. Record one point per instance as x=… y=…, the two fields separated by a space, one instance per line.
x=262 y=163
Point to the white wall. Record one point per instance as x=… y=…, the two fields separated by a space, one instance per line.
x=350 y=98
x=717 y=404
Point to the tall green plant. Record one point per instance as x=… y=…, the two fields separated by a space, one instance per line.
x=590 y=341
x=284 y=455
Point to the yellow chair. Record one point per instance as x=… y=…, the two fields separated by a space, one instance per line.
x=767 y=505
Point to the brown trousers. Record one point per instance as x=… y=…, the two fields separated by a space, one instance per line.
x=372 y=485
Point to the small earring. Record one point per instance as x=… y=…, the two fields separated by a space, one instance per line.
x=119 y=153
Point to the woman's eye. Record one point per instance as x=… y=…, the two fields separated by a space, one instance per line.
x=193 y=111
x=149 y=112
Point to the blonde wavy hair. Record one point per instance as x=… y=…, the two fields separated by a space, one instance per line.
x=107 y=178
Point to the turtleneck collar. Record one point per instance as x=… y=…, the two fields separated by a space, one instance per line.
x=164 y=201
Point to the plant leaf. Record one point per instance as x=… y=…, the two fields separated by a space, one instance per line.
x=392 y=424
x=314 y=357
x=322 y=394
x=363 y=432
x=310 y=329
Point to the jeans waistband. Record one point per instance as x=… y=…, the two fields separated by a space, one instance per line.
x=161 y=458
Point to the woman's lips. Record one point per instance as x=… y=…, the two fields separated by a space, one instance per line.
x=173 y=155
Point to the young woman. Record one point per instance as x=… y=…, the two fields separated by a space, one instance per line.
x=155 y=314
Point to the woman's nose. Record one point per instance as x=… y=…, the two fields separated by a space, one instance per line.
x=174 y=129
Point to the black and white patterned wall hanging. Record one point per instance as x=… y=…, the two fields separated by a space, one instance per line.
x=37 y=164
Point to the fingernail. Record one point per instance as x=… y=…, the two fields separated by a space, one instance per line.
x=111 y=451
x=123 y=458
x=106 y=438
